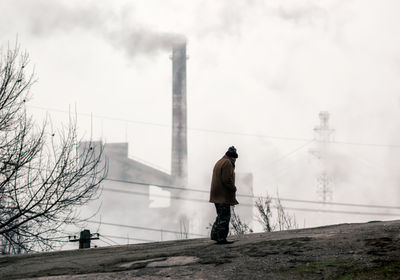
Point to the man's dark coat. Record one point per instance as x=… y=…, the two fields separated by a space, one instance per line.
x=223 y=187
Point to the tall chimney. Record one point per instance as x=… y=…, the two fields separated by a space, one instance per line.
x=179 y=127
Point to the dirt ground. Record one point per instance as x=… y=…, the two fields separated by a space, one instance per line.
x=346 y=251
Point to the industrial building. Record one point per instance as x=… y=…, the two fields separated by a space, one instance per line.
x=127 y=197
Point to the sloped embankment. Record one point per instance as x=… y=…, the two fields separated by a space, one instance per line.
x=346 y=251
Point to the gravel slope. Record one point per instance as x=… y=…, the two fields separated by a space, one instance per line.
x=346 y=251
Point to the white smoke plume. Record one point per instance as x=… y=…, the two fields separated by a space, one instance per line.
x=118 y=28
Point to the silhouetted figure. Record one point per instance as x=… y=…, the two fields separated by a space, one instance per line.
x=223 y=194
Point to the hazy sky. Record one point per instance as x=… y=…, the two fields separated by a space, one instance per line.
x=255 y=67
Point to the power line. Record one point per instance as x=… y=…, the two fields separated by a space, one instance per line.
x=140 y=227
x=244 y=195
x=156 y=185
x=129 y=238
x=106 y=242
x=251 y=205
x=288 y=154
x=291 y=152
x=104 y=236
x=100 y=117
x=339 y=203
x=163 y=196
x=364 y=144
x=168 y=125
x=342 y=212
x=353 y=143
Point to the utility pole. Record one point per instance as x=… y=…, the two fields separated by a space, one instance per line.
x=84 y=239
x=323 y=135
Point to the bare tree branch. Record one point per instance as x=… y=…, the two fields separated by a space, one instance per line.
x=271 y=221
x=263 y=206
x=239 y=227
x=44 y=175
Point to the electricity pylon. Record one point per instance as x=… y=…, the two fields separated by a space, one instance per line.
x=323 y=135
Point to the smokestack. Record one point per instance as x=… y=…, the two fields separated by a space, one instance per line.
x=179 y=127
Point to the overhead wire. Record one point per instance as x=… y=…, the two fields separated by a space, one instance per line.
x=241 y=195
x=105 y=236
x=142 y=228
x=106 y=242
x=252 y=205
x=353 y=143
x=308 y=141
x=290 y=153
x=286 y=155
x=168 y=125
x=243 y=204
x=129 y=238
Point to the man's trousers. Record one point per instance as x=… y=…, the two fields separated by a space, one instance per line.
x=220 y=228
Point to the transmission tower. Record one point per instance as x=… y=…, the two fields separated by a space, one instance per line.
x=323 y=135
x=324 y=189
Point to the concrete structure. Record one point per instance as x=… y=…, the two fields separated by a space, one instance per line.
x=127 y=197
x=179 y=114
x=121 y=167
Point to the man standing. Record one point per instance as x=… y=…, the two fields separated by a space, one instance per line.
x=223 y=194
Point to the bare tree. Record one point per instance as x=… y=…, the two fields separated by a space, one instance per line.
x=44 y=174
x=239 y=227
x=263 y=206
x=285 y=220
x=184 y=227
x=271 y=221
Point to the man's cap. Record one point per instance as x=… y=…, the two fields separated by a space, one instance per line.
x=232 y=152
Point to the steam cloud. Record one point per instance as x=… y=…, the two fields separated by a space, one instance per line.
x=119 y=30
